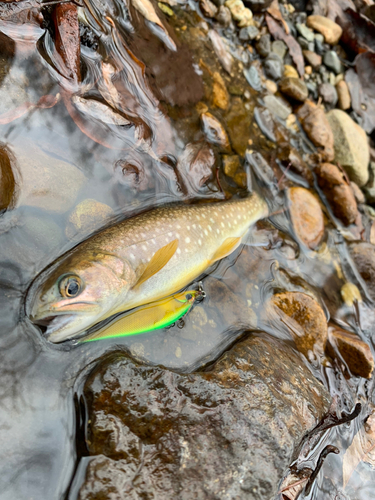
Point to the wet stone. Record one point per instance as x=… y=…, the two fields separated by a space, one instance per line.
x=208 y=8
x=306 y=320
x=315 y=60
x=223 y=16
x=87 y=217
x=220 y=96
x=231 y=163
x=241 y=14
x=290 y=72
x=307 y=216
x=343 y=94
x=332 y=61
x=328 y=93
x=263 y=45
x=148 y=427
x=363 y=255
x=253 y=78
x=274 y=67
x=356 y=353
x=294 y=88
x=338 y=192
x=329 y=29
x=306 y=32
x=238 y=126
x=279 y=48
x=351 y=146
x=258 y=5
x=317 y=128
x=7 y=179
x=277 y=106
x=214 y=131
x=248 y=33
x=47 y=183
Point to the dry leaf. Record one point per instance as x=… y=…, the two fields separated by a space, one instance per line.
x=294 y=49
x=99 y=111
x=362 y=449
x=148 y=11
x=274 y=11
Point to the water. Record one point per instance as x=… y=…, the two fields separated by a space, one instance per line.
x=61 y=156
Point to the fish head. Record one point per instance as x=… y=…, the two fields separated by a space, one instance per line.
x=77 y=292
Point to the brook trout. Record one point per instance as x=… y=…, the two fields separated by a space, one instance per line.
x=137 y=261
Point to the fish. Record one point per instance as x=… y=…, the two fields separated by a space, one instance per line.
x=154 y=316
x=137 y=261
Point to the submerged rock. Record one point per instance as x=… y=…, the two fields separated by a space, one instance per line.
x=356 y=353
x=305 y=319
x=8 y=185
x=226 y=433
x=338 y=192
x=307 y=216
x=87 y=217
x=47 y=183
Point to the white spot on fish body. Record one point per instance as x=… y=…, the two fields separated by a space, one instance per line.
x=187 y=240
x=200 y=242
x=178 y=251
x=132 y=256
x=144 y=247
x=206 y=232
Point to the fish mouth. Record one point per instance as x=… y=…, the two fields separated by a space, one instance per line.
x=53 y=325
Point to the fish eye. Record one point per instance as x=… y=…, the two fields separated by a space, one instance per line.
x=188 y=296
x=70 y=286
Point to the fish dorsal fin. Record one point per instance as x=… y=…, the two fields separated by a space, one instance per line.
x=226 y=248
x=158 y=261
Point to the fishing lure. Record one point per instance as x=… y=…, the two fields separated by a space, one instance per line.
x=154 y=316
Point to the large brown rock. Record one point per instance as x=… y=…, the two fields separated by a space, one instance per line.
x=225 y=433
x=317 y=128
x=338 y=192
x=307 y=216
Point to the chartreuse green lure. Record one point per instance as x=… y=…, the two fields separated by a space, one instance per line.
x=147 y=318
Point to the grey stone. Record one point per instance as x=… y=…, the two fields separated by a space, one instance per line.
x=274 y=67
x=263 y=45
x=332 y=61
x=253 y=78
x=304 y=44
x=294 y=88
x=230 y=431
x=223 y=16
x=328 y=93
x=306 y=32
x=277 y=106
x=312 y=87
x=319 y=47
x=279 y=48
x=248 y=33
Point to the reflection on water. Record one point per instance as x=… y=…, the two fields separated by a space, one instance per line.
x=142 y=147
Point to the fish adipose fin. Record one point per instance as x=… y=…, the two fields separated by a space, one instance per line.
x=229 y=245
x=158 y=261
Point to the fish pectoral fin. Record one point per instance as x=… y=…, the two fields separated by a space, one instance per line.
x=226 y=248
x=158 y=261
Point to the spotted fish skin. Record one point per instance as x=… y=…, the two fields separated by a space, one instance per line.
x=111 y=263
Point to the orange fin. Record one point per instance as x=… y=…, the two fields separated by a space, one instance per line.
x=158 y=261
x=229 y=245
